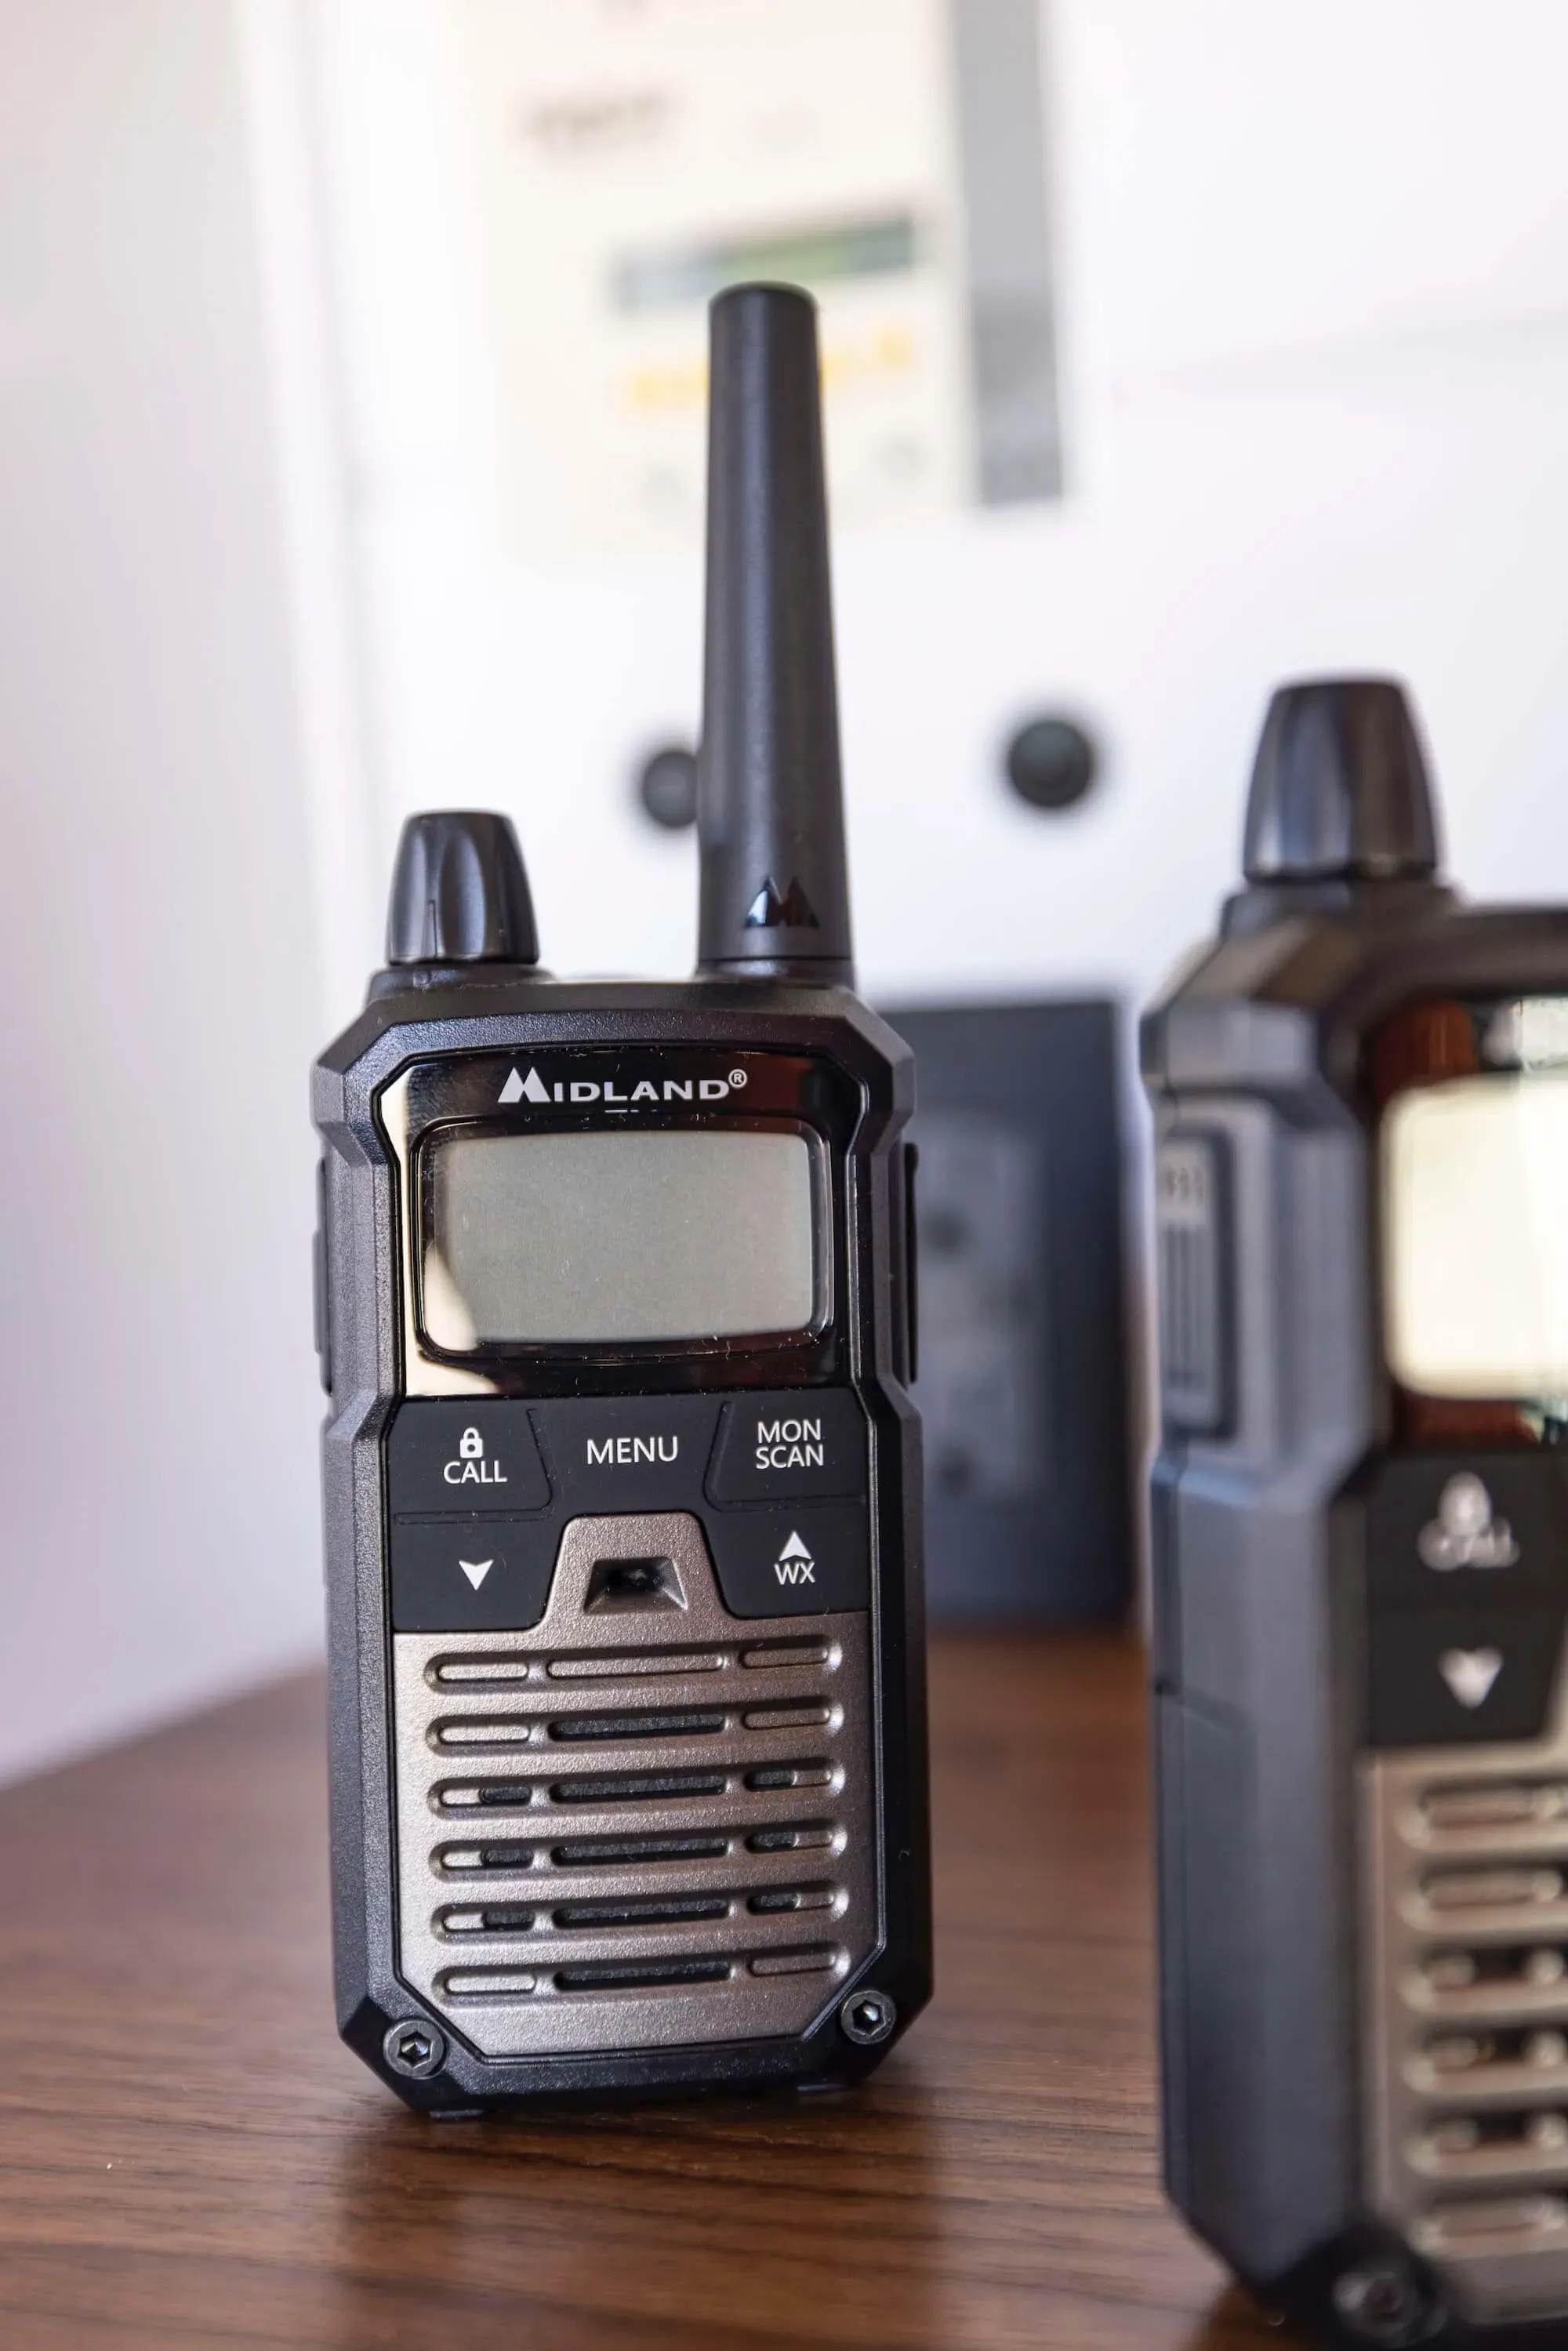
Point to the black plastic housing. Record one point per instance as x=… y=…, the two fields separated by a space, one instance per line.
x=497 y=1009
x=1257 y=1058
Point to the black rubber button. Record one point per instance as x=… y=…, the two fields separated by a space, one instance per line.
x=472 y=1454
x=1440 y=1676
x=1475 y=1530
x=482 y=1576
x=806 y=1560
x=809 y=1441
x=627 y=1453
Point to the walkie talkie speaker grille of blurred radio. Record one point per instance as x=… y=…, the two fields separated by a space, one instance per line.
x=1361 y=1563
x=622 y=1477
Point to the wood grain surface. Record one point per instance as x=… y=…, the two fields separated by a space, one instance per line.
x=188 y=2156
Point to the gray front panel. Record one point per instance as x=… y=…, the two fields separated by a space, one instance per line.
x=634 y=1825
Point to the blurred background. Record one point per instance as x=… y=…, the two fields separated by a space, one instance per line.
x=350 y=462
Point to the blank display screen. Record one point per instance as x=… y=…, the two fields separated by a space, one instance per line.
x=1475 y=1202
x=600 y=1238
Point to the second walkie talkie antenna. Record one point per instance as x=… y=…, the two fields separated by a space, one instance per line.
x=770 y=822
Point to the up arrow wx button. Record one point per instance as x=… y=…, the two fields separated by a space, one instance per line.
x=794 y=1563
x=812 y=1560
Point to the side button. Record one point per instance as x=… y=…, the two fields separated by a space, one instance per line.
x=804 y=1561
x=1444 y=1676
x=486 y=1576
x=318 y=1280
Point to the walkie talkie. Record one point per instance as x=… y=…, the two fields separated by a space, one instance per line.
x=1361 y=1541
x=623 y=1480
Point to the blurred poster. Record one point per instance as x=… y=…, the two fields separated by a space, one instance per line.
x=627 y=159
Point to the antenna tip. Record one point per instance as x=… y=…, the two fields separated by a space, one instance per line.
x=1340 y=788
x=759 y=295
x=762 y=338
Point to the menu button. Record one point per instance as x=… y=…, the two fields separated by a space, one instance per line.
x=626 y=1452
x=610 y=1454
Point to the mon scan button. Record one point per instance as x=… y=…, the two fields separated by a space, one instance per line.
x=805 y=1560
x=807 y=1441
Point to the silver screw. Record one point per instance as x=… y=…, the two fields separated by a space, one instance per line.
x=868 y=2017
x=415 y=2048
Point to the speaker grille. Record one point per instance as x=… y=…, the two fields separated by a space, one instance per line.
x=1466 y=2011
x=606 y=1842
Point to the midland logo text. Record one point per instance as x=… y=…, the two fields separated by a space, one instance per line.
x=531 y=1087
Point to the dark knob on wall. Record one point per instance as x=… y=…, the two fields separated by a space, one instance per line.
x=667 y=786
x=1051 y=762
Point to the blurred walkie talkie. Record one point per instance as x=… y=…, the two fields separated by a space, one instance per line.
x=1361 y=1521
x=623 y=1481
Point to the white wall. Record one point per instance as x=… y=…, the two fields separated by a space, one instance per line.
x=158 y=957
x=1316 y=337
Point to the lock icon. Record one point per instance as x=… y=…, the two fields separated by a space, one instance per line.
x=471 y=1446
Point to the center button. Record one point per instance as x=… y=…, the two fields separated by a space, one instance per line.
x=626 y=1453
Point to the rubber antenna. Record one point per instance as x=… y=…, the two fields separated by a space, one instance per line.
x=771 y=819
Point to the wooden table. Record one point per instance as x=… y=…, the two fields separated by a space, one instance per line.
x=187 y=2156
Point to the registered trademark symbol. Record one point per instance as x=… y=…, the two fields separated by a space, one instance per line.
x=738 y=1076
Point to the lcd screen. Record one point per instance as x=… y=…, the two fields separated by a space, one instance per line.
x=1475 y=1214
x=603 y=1238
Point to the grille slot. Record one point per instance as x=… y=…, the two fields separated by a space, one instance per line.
x=1466 y=2013
x=603 y=1788
x=604 y=1853
x=647 y=1977
x=505 y=1731
x=638 y=1788
x=763 y=1655
x=657 y=1889
x=794 y=1837
x=673 y=1911
x=635 y=1665
x=611 y=1728
x=489 y=1670
x=501 y=1918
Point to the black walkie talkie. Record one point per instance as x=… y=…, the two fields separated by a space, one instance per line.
x=1361 y=1541
x=622 y=1482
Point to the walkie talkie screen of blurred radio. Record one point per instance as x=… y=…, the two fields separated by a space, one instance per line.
x=1475 y=1219
x=604 y=1238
